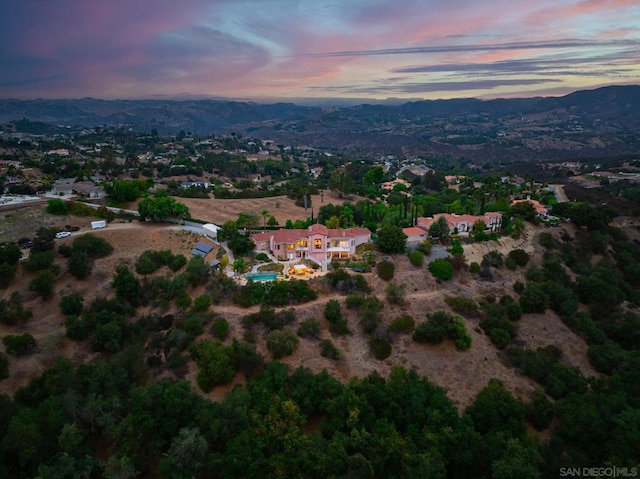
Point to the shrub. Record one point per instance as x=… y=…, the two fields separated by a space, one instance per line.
x=71 y=304
x=441 y=325
x=425 y=247
x=533 y=299
x=441 y=269
x=220 y=328
x=520 y=256
x=402 y=324
x=332 y=311
x=43 y=283
x=194 y=325
x=4 y=366
x=76 y=328
x=500 y=337
x=282 y=343
x=329 y=350
x=416 y=258
x=493 y=258
x=309 y=328
x=539 y=411
x=381 y=348
x=346 y=283
x=355 y=300
x=19 y=345
x=395 y=293
x=94 y=246
x=176 y=360
x=202 y=302
x=248 y=360
x=510 y=264
x=546 y=240
x=518 y=287
x=474 y=268
x=461 y=305
x=385 y=270
x=215 y=362
x=39 y=260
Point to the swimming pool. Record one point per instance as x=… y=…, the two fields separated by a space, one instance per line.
x=266 y=276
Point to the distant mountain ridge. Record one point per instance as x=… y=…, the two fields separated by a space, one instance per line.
x=447 y=127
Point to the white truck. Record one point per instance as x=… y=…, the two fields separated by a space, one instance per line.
x=96 y=225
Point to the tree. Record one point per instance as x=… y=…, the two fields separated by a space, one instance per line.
x=39 y=260
x=197 y=271
x=391 y=239
x=7 y=273
x=333 y=223
x=57 y=206
x=10 y=254
x=126 y=285
x=265 y=215
x=43 y=240
x=43 y=283
x=440 y=228
x=162 y=208
x=524 y=210
x=186 y=455
x=215 y=362
x=341 y=182
x=12 y=311
x=80 y=264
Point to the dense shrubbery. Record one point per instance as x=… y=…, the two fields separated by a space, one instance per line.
x=19 y=345
x=274 y=293
x=346 y=283
x=441 y=325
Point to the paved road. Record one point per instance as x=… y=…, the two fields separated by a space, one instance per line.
x=558 y=190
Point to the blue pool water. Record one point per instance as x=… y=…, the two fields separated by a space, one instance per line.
x=267 y=276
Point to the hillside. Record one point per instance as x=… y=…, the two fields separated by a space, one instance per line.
x=462 y=374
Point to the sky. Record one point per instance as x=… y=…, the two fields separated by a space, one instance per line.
x=271 y=50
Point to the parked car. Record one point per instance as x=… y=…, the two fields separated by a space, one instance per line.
x=62 y=234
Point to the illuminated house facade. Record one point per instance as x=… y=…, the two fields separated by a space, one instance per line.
x=317 y=243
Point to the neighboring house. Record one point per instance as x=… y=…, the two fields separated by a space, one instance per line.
x=69 y=186
x=415 y=236
x=317 y=243
x=541 y=210
x=463 y=224
x=389 y=185
x=88 y=190
x=63 y=186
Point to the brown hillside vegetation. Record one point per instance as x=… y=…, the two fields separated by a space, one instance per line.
x=462 y=374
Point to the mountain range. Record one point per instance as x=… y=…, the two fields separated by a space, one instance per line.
x=589 y=122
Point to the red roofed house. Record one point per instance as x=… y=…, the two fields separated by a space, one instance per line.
x=541 y=210
x=317 y=243
x=415 y=235
x=464 y=223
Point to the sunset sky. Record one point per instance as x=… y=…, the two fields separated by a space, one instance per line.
x=269 y=50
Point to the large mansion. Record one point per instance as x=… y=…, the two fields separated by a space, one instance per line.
x=317 y=243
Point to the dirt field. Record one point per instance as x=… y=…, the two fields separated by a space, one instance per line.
x=282 y=208
x=463 y=374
